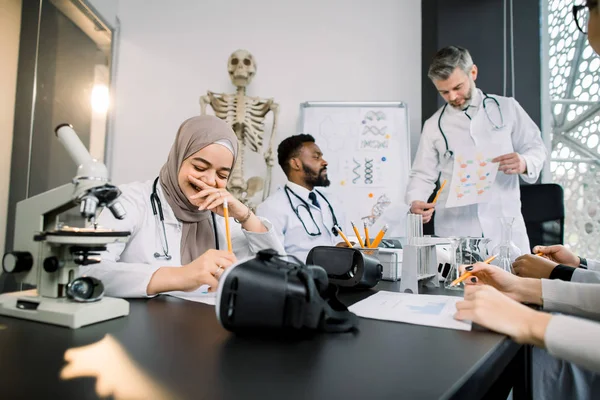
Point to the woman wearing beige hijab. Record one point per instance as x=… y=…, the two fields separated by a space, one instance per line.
x=178 y=240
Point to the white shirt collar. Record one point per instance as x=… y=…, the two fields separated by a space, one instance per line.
x=477 y=98
x=473 y=107
x=299 y=190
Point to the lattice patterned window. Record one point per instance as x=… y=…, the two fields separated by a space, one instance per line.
x=574 y=85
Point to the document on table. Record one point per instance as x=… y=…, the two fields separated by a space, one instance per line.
x=200 y=295
x=418 y=309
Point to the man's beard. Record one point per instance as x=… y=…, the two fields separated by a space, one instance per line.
x=313 y=179
x=468 y=98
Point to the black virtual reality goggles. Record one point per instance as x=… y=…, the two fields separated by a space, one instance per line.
x=347 y=267
x=272 y=292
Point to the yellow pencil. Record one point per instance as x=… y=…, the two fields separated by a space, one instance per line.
x=360 y=241
x=367 y=241
x=439 y=191
x=468 y=274
x=337 y=228
x=227 y=231
x=489 y=260
x=379 y=237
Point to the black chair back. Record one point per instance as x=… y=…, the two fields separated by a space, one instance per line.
x=543 y=209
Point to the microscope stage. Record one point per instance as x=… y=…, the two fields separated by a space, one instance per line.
x=83 y=237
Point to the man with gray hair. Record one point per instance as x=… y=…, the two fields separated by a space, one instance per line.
x=475 y=123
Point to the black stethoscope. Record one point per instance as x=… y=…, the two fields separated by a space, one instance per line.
x=158 y=213
x=307 y=207
x=449 y=153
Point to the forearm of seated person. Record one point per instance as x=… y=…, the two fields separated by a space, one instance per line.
x=254 y=224
x=163 y=280
x=530 y=291
x=537 y=326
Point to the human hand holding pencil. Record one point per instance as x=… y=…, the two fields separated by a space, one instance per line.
x=469 y=273
x=426 y=209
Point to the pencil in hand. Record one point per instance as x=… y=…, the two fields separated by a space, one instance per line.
x=227 y=229
x=468 y=274
x=439 y=191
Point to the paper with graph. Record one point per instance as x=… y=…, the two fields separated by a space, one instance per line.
x=200 y=295
x=473 y=177
x=418 y=309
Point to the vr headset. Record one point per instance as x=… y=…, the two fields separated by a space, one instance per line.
x=281 y=293
x=347 y=267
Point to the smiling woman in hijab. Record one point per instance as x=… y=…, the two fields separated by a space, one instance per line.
x=178 y=240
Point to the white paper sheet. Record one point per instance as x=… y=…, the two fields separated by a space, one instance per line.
x=472 y=179
x=201 y=295
x=418 y=309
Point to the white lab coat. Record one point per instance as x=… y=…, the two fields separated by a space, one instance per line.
x=520 y=134
x=126 y=268
x=288 y=227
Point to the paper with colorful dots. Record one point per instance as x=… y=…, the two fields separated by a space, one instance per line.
x=473 y=177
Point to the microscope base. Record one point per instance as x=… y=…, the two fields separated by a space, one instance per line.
x=62 y=311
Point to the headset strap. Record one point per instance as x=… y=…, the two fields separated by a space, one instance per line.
x=324 y=311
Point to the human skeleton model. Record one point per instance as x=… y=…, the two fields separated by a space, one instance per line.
x=246 y=115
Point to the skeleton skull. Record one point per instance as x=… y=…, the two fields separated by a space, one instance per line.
x=241 y=67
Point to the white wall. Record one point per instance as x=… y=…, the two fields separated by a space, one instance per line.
x=10 y=26
x=312 y=50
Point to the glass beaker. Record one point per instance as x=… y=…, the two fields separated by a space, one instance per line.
x=473 y=249
x=454 y=257
x=506 y=251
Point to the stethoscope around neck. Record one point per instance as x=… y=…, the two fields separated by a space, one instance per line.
x=307 y=207
x=448 y=154
x=158 y=214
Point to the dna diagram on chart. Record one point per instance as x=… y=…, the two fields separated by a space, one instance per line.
x=367 y=147
x=375 y=133
x=362 y=171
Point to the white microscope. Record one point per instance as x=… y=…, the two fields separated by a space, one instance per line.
x=48 y=254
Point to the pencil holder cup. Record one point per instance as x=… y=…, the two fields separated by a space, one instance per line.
x=368 y=251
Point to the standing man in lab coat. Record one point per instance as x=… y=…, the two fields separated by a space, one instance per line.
x=302 y=216
x=473 y=120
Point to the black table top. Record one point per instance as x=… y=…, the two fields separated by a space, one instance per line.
x=182 y=346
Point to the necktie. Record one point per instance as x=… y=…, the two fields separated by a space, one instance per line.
x=313 y=197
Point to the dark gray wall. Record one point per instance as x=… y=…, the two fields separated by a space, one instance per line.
x=478 y=26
